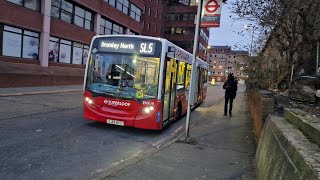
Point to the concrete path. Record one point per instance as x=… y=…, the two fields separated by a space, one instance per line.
x=223 y=148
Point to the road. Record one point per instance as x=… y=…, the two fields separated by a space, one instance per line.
x=46 y=137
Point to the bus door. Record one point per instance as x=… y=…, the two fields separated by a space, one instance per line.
x=200 y=83
x=197 y=86
x=169 y=89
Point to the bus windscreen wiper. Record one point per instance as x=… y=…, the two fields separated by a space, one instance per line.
x=128 y=92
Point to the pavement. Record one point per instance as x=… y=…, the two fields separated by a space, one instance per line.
x=20 y=91
x=220 y=147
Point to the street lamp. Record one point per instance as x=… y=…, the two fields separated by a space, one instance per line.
x=206 y=52
x=253 y=28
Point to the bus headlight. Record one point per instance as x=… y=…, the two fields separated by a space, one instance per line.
x=88 y=100
x=148 y=109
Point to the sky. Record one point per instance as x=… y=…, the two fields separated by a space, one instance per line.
x=227 y=33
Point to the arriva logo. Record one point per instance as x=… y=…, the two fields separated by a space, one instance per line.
x=116 y=103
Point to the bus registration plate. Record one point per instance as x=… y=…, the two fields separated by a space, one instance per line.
x=115 y=122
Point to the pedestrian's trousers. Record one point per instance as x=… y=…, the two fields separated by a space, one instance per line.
x=226 y=106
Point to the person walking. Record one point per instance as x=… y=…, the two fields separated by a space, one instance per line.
x=231 y=87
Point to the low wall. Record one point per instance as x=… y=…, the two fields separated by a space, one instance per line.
x=29 y=80
x=261 y=103
x=29 y=74
x=284 y=152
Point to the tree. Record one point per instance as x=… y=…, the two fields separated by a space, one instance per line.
x=289 y=27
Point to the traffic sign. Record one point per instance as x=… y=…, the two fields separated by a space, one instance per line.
x=212 y=6
x=211 y=13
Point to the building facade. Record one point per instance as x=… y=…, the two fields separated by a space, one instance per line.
x=56 y=34
x=179 y=26
x=223 y=60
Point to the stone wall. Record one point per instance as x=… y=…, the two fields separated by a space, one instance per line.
x=285 y=150
x=261 y=103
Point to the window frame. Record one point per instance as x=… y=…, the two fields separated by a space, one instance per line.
x=135 y=12
x=112 y=28
x=57 y=4
x=22 y=33
x=72 y=44
x=24 y=5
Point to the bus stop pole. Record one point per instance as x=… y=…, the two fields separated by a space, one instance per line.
x=193 y=70
x=317 y=62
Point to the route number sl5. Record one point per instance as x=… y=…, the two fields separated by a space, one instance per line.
x=146 y=48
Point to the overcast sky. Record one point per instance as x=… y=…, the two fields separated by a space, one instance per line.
x=227 y=33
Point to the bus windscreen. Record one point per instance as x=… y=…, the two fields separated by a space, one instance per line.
x=127 y=69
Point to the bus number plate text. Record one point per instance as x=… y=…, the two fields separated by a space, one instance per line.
x=115 y=122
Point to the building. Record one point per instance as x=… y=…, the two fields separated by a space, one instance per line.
x=56 y=34
x=223 y=61
x=48 y=40
x=179 y=26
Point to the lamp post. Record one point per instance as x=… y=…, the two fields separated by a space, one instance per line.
x=206 y=51
x=253 y=28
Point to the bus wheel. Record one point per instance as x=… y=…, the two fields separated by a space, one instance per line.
x=178 y=111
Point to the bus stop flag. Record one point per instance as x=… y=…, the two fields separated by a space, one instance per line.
x=211 y=13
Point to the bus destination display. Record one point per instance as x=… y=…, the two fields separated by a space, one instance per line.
x=134 y=47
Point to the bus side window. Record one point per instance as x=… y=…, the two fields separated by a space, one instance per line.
x=188 y=76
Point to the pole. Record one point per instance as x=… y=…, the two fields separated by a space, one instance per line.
x=291 y=73
x=317 y=63
x=195 y=47
x=251 y=41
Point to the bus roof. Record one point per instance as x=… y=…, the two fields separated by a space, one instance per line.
x=166 y=43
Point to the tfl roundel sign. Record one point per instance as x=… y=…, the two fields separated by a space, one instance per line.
x=211 y=13
x=212 y=6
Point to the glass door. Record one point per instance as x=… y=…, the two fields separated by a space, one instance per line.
x=169 y=89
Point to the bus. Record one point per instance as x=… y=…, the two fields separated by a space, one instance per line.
x=139 y=81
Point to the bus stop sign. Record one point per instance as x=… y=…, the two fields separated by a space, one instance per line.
x=211 y=13
x=212 y=6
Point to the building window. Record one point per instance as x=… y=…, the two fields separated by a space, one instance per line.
x=111 y=2
x=142 y=24
x=148 y=26
x=66 y=11
x=83 y=18
x=19 y=43
x=116 y=29
x=149 y=11
x=107 y=27
x=156 y=15
x=69 y=52
x=144 y=9
x=73 y=14
x=123 y=5
x=30 y=4
x=135 y=13
x=179 y=30
x=155 y=28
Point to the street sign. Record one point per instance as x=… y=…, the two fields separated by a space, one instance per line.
x=211 y=13
x=212 y=6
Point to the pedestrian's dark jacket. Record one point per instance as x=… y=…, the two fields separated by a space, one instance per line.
x=231 y=87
